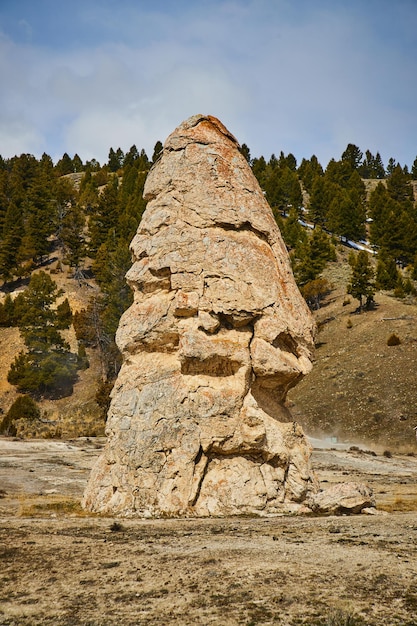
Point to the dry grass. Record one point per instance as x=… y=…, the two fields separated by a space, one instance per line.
x=76 y=422
x=399 y=504
x=50 y=506
x=360 y=389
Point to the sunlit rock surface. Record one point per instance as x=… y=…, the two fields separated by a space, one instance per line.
x=217 y=335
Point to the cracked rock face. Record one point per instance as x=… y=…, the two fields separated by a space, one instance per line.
x=217 y=335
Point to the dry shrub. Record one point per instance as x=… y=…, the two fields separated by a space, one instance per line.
x=393 y=340
x=343 y=618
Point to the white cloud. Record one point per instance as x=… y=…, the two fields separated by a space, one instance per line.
x=305 y=78
x=18 y=136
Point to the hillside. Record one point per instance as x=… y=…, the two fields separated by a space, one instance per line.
x=74 y=218
x=361 y=390
x=70 y=416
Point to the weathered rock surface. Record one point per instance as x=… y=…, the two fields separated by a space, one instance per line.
x=350 y=497
x=217 y=335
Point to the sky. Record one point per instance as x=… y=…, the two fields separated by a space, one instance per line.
x=299 y=76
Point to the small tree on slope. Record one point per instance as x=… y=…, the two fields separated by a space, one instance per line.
x=47 y=364
x=362 y=284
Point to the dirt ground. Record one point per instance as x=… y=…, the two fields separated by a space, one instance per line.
x=60 y=567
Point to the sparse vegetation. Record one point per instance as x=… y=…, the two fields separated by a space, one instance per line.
x=315 y=291
x=400 y=504
x=49 y=506
x=340 y=617
x=23 y=408
x=75 y=554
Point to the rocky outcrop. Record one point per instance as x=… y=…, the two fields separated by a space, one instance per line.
x=217 y=335
x=345 y=498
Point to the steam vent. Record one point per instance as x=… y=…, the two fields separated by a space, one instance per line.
x=217 y=335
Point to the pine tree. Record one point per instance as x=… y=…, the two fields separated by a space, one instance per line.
x=64 y=166
x=319 y=201
x=308 y=172
x=72 y=237
x=258 y=169
x=391 y=166
x=362 y=279
x=157 y=151
x=7 y=313
x=312 y=257
x=47 y=364
x=372 y=166
x=398 y=186
x=378 y=209
x=293 y=233
x=131 y=156
x=104 y=219
x=77 y=164
x=291 y=162
x=40 y=216
x=63 y=315
x=339 y=172
x=353 y=156
x=282 y=187
x=23 y=170
x=115 y=160
x=11 y=242
x=414 y=170
x=24 y=407
x=387 y=273
x=46 y=165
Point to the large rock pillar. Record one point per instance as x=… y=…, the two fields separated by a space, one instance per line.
x=217 y=335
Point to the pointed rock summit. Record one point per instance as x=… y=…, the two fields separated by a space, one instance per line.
x=217 y=335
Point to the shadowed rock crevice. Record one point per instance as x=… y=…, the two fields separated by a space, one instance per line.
x=217 y=334
x=213 y=366
x=286 y=343
x=244 y=227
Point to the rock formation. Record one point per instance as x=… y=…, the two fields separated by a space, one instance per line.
x=217 y=335
x=343 y=498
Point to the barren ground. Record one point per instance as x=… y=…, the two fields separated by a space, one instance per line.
x=60 y=567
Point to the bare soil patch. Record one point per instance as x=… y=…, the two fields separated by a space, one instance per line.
x=62 y=567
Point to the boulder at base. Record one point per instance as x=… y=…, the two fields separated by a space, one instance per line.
x=217 y=335
x=344 y=498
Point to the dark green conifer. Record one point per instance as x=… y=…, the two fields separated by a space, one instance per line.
x=362 y=284
x=157 y=151
x=47 y=364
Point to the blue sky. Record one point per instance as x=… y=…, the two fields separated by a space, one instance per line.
x=302 y=76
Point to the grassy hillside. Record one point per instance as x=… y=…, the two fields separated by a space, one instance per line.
x=71 y=416
x=361 y=390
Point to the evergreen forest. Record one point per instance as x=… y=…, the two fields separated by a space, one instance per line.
x=86 y=214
